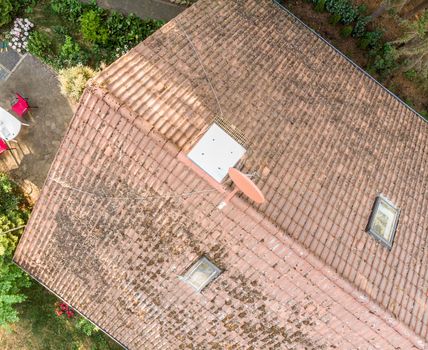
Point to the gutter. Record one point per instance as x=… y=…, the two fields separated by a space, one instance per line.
x=318 y=264
x=279 y=3
x=74 y=309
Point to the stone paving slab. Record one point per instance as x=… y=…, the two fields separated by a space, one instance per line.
x=3 y=73
x=38 y=143
x=9 y=59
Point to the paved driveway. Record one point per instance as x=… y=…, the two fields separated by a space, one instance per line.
x=38 y=143
x=157 y=9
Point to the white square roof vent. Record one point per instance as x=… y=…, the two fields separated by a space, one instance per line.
x=216 y=152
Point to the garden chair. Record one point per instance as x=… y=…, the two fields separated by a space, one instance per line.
x=20 y=106
x=4 y=146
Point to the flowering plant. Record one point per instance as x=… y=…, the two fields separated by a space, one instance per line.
x=19 y=34
x=121 y=51
x=63 y=309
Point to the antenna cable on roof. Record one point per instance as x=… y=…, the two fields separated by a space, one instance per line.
x=171 y=195
x=202 y=65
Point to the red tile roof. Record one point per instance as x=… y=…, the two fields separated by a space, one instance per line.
x=121 y=215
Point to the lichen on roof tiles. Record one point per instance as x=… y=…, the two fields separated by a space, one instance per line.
x=324 y=139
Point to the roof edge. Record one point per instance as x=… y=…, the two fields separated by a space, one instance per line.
x=325 y=270
x=282 y=7
x=74 y=309
x=87 y=91
x=319 y=266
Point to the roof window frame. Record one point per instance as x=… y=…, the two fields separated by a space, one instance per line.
x=186 y=277
x=387 y=243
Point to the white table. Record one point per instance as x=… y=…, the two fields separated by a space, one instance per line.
x=9 y=125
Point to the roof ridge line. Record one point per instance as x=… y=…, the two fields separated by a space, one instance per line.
x=280 y=5
x=326 y=270
x=319 y=266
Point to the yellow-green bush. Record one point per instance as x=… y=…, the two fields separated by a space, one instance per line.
x=73 y=81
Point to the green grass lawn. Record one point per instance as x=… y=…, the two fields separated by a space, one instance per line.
x=40 y=328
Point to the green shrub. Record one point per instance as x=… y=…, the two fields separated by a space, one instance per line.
x=410 y=74
x=424 y=114
x=8 y=199
x=5 y=12
x=24 y=3
x=73 y=81
x=60 y=30
x=71 y=54
x=343 y=9
x=13 y=213
x=109 y=33
x=371 y=39
x=40 y=45
x=360 y=26
x=91 y=25
x=334 y=19
x=125 y=32
x=346 y=31
x=320 y=6
x=71 y=9
x=86 y=327
x=409 y=102
x=22 y=6
x=384 y=59
x=362 y=10
x=129 y=30
x=12 y=281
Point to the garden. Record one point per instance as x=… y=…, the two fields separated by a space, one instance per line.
x=75 y=39
x=387 y=38
x=31 y=317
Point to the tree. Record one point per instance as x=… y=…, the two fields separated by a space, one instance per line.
x=387 y=5
x=415 y=10
x=5 y=12
x=412 y=47
x=13 y=215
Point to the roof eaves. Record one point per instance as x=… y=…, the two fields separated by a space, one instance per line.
x=73 y=307
x=282 y=7
x=325 y=270
x=319 y=266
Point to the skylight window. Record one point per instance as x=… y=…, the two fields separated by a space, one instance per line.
x=216 y=152
x=201 y=274
x=383 y=221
